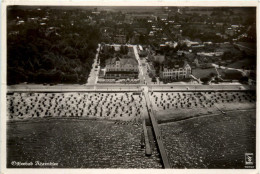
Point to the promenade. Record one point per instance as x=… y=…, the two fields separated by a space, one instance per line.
x=126 y=87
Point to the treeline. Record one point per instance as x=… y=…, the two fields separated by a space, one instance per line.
x=108 y=52
x=61 y=51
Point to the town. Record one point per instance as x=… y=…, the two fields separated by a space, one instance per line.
x=173 y=44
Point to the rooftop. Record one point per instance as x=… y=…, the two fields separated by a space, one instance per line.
x=123 y=61
x=175 y=65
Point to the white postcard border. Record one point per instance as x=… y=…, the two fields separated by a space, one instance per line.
x=3 y=88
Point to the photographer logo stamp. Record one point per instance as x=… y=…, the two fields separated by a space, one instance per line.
x=249 y=159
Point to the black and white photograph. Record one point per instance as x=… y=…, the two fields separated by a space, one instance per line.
x=130 y=87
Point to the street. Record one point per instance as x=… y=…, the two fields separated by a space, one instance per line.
x=141 y=73
x=93 y=76
x=144 y=77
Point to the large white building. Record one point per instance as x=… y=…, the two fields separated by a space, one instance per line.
x=180 y=70
x=121 y=68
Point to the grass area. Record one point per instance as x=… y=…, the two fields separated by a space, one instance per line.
x=242 y=63
x=225 y=73
x=78 y=144
x=203 y=73
x=219 y=141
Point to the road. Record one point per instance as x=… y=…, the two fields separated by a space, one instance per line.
x=145 y=70
x=141 y=73
x=93 y=76
x=144 y=77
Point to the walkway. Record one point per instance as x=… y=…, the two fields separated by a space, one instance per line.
x=244 y=72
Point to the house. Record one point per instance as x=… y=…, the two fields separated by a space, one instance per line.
x=121 y=68
x=210 y=54
x=20 y=22
x=219 y=25
x=198 y=46
x=180 y=70
x=171 y=44
x=34 y=20
x=151 y=33
x=120 y=39
x=207 y=43
x=158 y=58
x=177 y=26
x=235 y=26
x=181 y=52
x=230 y=32
x=189 y=43
x=141 y=30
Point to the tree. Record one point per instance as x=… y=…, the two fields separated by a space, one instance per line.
x=37 y=54
x=205 y=80
x=123 y=49
x=153 y=79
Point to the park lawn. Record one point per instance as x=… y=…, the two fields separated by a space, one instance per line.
x=203 y=73
x=225 y=73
